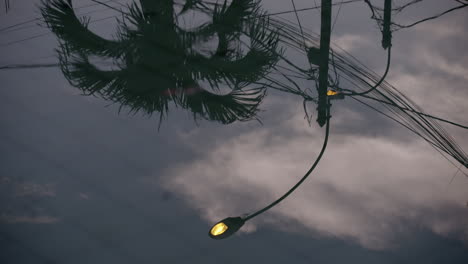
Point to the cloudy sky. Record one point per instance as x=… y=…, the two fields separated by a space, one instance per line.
x=81 y=183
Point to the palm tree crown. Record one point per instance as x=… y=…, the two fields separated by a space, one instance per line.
x=158 y=61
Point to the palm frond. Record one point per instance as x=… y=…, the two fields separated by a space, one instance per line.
x=157 y=65
x=61 y=19
x=253 y=66
x=132 y=87
x=239 y=105
x=228 y=21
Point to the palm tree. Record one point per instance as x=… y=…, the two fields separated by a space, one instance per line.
x=158 y=61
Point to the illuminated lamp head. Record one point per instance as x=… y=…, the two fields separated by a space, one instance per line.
x=334 y=95
x=226 y=227
x=331 y=92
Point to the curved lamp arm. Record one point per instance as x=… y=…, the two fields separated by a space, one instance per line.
x=230 y=225
x=324 y=146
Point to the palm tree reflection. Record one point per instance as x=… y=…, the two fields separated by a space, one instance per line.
x=157 y=61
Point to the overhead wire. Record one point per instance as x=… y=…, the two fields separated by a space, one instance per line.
x=431 y=18
x=336 y=16
x=410 y=129
x=417 y=112
x=97 y=20
x=47 y=33
x=429 y=130
x=353 y=69
x=42 y=22
x=8 y=29
x=40 y=18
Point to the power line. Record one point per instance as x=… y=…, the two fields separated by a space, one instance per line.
x=416 y=112
x=42 y=22
x=29 y=66
x=39 y=18
x=307 y=8
x=432 y=17
x=336 y=17
x=47 y=33
x=44 y=34
x=411 y=129
x=355 y=70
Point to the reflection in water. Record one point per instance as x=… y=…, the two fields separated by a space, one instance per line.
x=156 y=61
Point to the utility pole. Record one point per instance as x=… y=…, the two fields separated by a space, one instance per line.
x=387 y=33
x=325 y=32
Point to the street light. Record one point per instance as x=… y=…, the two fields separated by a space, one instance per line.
x=320 y=57
x=228 y=226
x=335 y=95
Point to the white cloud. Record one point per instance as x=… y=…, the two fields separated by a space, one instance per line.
x=364 y=189
x=370 y=190
x=443 y=28
x=352 y=42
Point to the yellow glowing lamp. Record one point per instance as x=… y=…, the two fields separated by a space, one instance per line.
x=218 y=229
x=335 y=95
x=226 y=227
x=331 y=92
